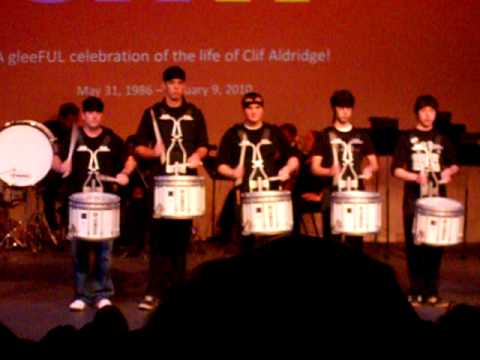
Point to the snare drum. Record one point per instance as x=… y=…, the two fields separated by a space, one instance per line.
x=29 y=146
x=356 y=212
x=179 y=197
x=267 y=212
x=94 y=216
x=438 y=221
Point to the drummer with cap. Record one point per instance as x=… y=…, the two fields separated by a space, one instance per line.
x=97 y=151
x=272 y=157
x=169 y=132
x=425 y=160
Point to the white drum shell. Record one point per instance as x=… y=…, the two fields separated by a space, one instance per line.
x=179 y=197
x=356 y=213
x=94 y=216
x=267 y=212
x=438 y=221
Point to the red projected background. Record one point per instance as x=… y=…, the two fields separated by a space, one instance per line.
x=294 y=52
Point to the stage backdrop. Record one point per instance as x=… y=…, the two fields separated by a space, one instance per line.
x=296 y=53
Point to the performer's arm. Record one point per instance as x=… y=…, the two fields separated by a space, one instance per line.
x=57 y=164
x=195 y=159
x=448 y=173
x=61 y=166
x=371 y=167
x=291 y=166
x=130 y=165
x=319 y=170
x=145 y=136
x=410 y=176
x=148 y=152
x=231 y=173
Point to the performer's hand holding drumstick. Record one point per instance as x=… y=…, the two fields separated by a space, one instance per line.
x=238 y=173
x=159 y=148
x=194 y=161
x=290 y=167
x=367 y=173
x=122 y=179
x=446 y=176
x=66 y=167
x=283 y=174
x=421 y=178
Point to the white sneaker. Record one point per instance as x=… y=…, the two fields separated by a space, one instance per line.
x=103 y=302
x=78 y=305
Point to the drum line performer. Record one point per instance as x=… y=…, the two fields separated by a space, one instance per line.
x=52 y=189
x=97 y=152
x=256 y=155
x=340 y=155
x=425 y=160
x=173 y=130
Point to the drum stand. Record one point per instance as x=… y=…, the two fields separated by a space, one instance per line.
x=38 y=230
x=32 y=233
x=13 y=237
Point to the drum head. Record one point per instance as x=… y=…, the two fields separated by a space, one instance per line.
x=439 y=206
x=27 y=154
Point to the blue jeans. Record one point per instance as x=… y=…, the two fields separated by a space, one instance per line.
x=91 y=286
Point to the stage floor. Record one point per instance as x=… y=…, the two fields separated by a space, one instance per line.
x=36 y=288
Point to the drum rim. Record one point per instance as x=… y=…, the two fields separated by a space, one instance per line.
x=32 y=123
x=97 y=239
x=75 y=199
x=440 y=213
x=266 y=194
x=179 y=180
x=356 y=194
x=422 y=209
x=270 y=233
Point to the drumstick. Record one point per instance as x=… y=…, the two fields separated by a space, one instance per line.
x=275 y=178
x=158 y=136
x=191 y=166
x=73 y=142
x=107 y=178
x=243 y=150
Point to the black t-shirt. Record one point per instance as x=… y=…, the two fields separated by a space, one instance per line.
x=111 y=161
x=274 y=155
x=362 y=147
x=409 y=156
x=193 y=128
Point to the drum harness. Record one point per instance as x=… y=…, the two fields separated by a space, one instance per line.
x=93 y=183
x=177 y=140
x=262 y=181
x=351 y=182
x=429 y=151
